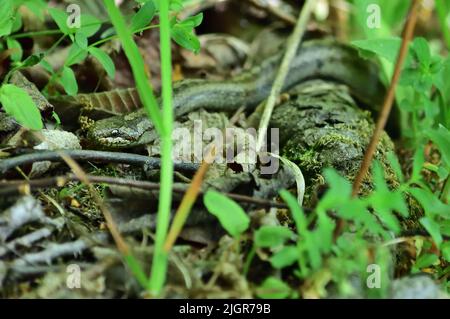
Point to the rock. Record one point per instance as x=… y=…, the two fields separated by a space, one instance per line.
x=322 y=126
x=417 y=287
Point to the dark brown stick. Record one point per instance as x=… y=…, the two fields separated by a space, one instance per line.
x=387 y=105
x=87 y=155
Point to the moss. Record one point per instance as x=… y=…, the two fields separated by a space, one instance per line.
x=329 y=130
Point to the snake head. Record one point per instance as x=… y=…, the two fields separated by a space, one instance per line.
x=120 y=132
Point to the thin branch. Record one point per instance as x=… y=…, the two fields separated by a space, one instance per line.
x=19 y=187
x=93 y=156
x=389 y=99
x=291 y=49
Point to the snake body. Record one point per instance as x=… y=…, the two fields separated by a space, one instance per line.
x=315 y=59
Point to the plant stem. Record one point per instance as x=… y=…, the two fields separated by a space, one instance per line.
x=163 y=125
x=35 y=34
x=389 y=99
x=159 y=264
x=55 y=45
x=112 y=37
x=442 y=12
x=137 y=65
x=293 y=43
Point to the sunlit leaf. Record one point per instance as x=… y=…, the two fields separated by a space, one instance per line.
x=285 y=257
x=20 y=106
x=231 y=216
x=273 y=288
x=68 y=81
x=272 y=236
x=144 y=16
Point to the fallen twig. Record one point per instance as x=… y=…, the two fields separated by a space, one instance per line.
x=35 y=236
x=18 y=187
x=87 y=155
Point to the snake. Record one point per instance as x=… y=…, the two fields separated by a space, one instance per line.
x=315 y=59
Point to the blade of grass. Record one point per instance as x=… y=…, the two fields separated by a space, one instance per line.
x=163 y=123
x=188 y=201
x=443 y=10
x=291 y=49
x=137 y=65
x=159 y=264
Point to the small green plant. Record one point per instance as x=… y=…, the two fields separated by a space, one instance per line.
x=370 y=221
x=16 y=100
x=80 y=48
x=19 y=104
x=162 y=119
x=231 y=216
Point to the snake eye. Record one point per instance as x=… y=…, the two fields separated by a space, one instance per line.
x=115 y=133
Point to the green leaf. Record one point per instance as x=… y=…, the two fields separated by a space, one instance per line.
x=104 y=60
x=68 y=81
x=183 y=33
x=273 y=288
x=231 y=216
x=6 y=17
x=144 y=16
x=186 y=38
x=324 y=232
x=392 y=15
x=37 y=7
x=81 y=40
x=20 y=106
x=17 y=22
x=422 y=51
x=385 y=201
x=56 y=117
x=16 y=56
x=445 y=250
x=445 y=228
x=47 y=66
x=60 y=17
x=191 y=22
x=108 y=33
x=296 y=211
x=272 y=236
x=339 y=192
x=418 y=161
x=176 y=5
x=433 y=229
x=426 y=261
x=441 y=80
x=89 y=25
x=387 y=48
x=431 y=204
x=285 y=257
x=32 y=60
x=76 y=55
x=306 y=241
x=395 y=164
